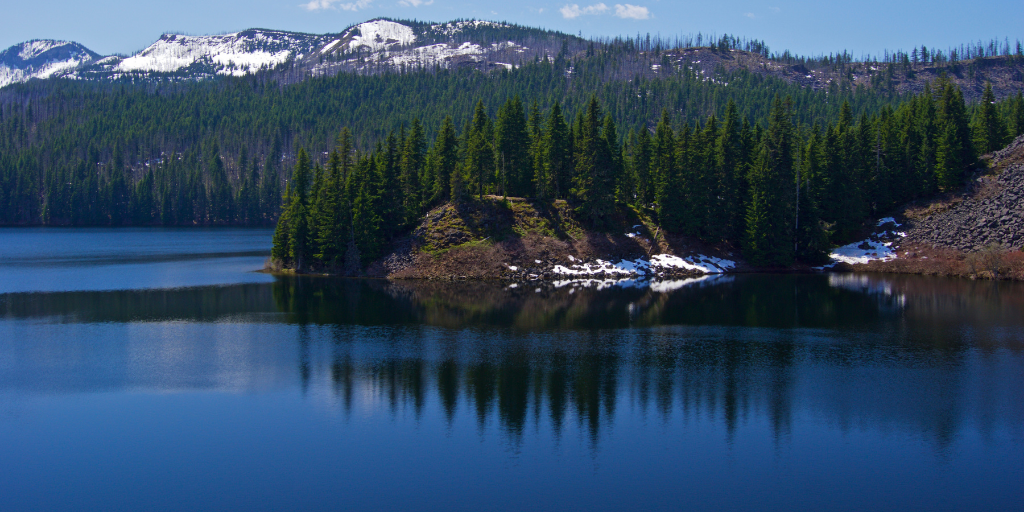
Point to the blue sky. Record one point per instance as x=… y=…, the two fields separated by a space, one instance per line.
x=805 y=27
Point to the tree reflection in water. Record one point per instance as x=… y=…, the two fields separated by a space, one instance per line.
x=851 y=350
x=921 y=355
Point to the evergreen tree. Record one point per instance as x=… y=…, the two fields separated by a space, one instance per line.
x=443 y=157
x=729 y=163
x=642 y=169
x=989 y=132
x=954 y=149
x=667 y=179
x=412 y=164
x=771 y=214
x=298 y=213
x=511 y=149
x=593 y=183
x=479 y=161
x=558 y=161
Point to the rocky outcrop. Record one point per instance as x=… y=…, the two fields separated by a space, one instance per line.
x=993 y=216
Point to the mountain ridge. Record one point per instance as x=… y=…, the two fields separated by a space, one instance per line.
x=384 y=45
x=375 y=45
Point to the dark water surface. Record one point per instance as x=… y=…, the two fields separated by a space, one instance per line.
x=151 y=370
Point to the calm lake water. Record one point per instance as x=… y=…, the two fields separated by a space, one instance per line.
x=153 y=370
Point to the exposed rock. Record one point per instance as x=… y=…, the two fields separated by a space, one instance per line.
x=992 y=216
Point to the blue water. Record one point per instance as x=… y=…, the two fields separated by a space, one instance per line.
x=132 y=384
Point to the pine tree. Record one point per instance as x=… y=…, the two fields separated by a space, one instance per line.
x=641 y=165
x=298 y=213
x=511 y=146
x=1017 y=115
x=412 y=164
x=954 y=150
x=989 y=132
x=367 y=219
x=443 y=159
x=729 y=163
x=593 y=184
x=281 y=250
x=558 y=153
x=221 y=198
x=666 y=178
x=479 y=159
x=771 y=214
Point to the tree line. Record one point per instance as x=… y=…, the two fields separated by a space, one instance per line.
x=781 y=191
x=82 y=153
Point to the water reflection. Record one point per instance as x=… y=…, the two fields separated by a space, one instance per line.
x=728 y=376
x=924 y=356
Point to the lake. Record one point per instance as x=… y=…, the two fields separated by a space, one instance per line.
x=153 y=369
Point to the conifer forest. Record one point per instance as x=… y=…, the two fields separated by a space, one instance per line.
x=343 y=164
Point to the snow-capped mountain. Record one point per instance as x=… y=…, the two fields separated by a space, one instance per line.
x=199 y=57
x=41 y=58
x=374 y=46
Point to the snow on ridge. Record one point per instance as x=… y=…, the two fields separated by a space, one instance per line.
x=380 y=34
x=435 y=54
x=330 y=46
x=231 y=53
x=454 y=27
x=33 y=49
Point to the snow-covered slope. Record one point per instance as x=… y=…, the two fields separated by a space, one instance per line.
x=377 y=35
x=41 y=58
x=374 y=46
x=385 y=44
x=229 y=54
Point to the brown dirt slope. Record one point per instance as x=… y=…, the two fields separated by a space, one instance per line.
x=483 y=237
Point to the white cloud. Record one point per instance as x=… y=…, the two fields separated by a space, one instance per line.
x=317 y=5
x=749 y=15
x=631 y=11
x=574 y=11
x=414 y=3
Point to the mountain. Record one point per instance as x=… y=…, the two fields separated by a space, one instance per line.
x=385 y=46
x=42 y=58
x=374 y=46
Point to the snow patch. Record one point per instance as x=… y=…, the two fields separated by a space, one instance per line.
x=639 y=266
x=877 y=247
x=380 y=34
x=231 y=54
x=330 y=46
x=33 y=49
x=862 y=252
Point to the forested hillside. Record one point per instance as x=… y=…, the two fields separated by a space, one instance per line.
x=222 y=151
x=781 y=191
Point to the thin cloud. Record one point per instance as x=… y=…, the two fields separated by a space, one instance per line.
x=575 y=11
x=630 y=11
x=414 y=3
x=750 y=15
x=320 y=5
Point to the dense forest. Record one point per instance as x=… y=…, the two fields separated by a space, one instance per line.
x=728 y=154
x=780 y=190
x=219 y=152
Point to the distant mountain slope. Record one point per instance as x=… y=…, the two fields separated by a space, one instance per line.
x=386 y=46
x=371 y=47
x=42 y=58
